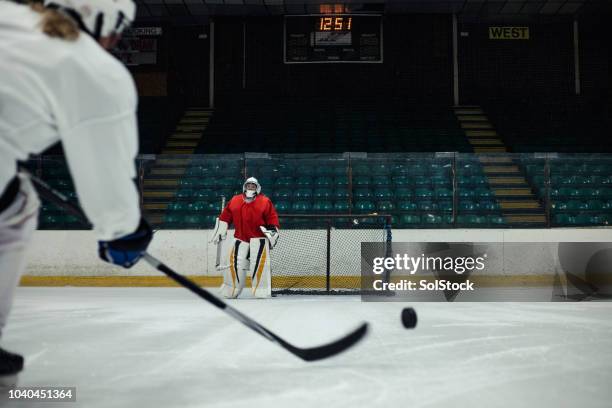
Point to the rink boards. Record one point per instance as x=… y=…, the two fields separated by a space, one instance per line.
x=69 y=258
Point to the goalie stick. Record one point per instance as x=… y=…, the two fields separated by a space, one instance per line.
x=219 y=244
x=306 y=354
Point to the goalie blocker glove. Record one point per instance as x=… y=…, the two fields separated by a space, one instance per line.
x=127 y=250
x=271 y=233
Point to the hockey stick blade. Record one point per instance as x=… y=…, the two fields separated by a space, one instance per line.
x=306 y=354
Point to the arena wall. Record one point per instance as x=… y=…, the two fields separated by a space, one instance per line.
x=70 y=257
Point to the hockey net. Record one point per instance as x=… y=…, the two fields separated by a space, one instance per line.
x=321 y=254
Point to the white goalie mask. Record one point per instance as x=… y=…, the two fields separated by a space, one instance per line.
x=99 y=18
x=251 y=193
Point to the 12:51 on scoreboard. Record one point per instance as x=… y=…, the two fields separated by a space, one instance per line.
x=337 y=38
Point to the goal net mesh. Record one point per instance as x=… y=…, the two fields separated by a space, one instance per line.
x=321 y=254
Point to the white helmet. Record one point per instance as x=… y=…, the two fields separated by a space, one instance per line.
x=251 y=180
x=99 y=18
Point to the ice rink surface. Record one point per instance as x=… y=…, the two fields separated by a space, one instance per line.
x=164 y=347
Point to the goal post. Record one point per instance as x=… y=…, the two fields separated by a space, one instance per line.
x=321 y=253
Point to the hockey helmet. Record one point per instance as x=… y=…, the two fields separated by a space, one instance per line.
x=99 y=18
x=251 y=180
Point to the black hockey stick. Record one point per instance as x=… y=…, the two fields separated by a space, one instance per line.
x=306 y=354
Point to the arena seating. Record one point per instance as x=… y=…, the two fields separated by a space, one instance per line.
x=579 y=192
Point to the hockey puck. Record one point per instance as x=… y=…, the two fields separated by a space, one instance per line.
x=409 y=318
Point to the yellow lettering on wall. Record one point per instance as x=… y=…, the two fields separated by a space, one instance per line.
x=508 y=33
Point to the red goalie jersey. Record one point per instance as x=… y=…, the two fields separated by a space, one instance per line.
x=247 y=217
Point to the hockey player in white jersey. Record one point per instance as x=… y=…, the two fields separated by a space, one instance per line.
x=58 y=83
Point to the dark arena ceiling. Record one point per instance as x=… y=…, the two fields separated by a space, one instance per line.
x=199 y=11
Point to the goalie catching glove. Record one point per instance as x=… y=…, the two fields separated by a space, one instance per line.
x=220 y=232
x=271 y=233
x=127 y=250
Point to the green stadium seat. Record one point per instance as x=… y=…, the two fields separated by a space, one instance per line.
x=362 y=193
x=402 y=192
x=301 y=207
x=323 y=193
x=380 y=181
x=487 y=205
x=178 y=206
x=471 y=219
x=341 y=181
x=423 y=193
x=341 y=194
x=304 y=181
x=284 y=181
x=427 y=205
x=187 y=182
x=209 y=182
x=564 y=219
x=466 y=205
x=383 y=193
x=324 y=181
x=407 y=205
x=364 y=207
x=440 y=180
x=173 y=219
x=445 y=206
x=401 y=180
x=185 y=193
x=282 y=207
x=323 y=206
x=194 y=220
x=341 y=207
x=422 y=181
x=302 y=194
x=204 y=194
x=363 y=181
x=585 y=219
x=441 y=193
x=385 y=206
x=483 y=192
x=467 y=192
x=282 y=194
x=432 y=219
x=496 y=219
x=409 y=219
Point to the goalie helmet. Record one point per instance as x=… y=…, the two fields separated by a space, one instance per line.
x=251 y=180
x=99 y=18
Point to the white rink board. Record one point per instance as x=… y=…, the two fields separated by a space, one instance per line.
x=74 y=253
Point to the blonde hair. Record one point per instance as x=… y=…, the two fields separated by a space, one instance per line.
x=56 y=24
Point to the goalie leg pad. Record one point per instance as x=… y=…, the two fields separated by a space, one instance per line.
x=234 y=277
x=260 y=268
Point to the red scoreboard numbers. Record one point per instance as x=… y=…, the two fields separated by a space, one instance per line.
x=335 y=24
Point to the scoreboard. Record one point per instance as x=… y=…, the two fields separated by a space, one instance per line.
x=333 y=38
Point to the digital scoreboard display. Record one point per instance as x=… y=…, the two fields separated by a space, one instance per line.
x=335 y=38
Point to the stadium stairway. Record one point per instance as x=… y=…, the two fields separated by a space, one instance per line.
x=163 y=176
x=515 y=196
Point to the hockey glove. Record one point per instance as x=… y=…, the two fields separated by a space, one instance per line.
x=127 y=250
x=220 y=232
x=271 y=233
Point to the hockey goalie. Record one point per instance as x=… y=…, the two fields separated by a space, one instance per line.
x=256 y=232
